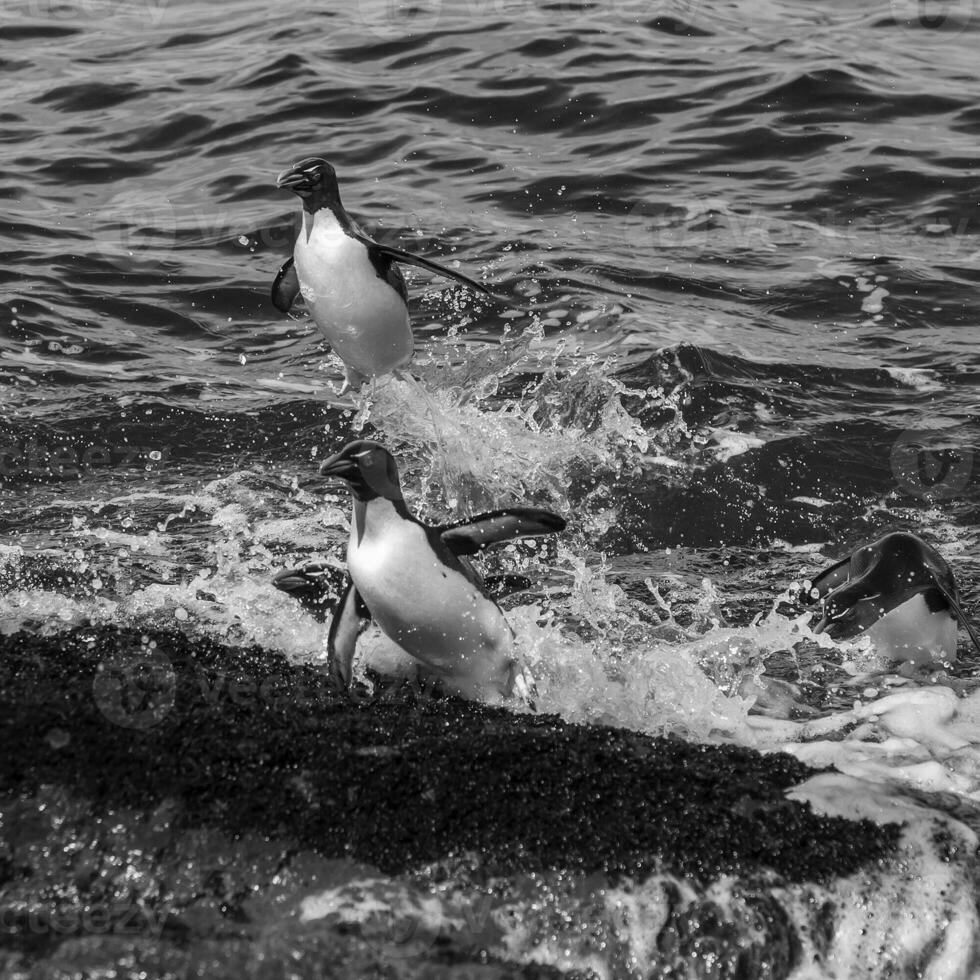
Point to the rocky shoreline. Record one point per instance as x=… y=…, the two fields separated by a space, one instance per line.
x=175 y=802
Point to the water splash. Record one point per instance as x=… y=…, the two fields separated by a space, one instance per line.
x=485 y=444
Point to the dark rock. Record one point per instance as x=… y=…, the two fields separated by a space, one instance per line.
x=167 y=783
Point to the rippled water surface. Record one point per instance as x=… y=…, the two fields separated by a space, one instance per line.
x=741 y=244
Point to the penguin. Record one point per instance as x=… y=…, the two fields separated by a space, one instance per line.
x=417 y=583
x=900 y=592
x=351 y=283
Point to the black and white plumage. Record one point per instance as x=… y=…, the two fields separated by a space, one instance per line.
x=352 y=284
x=900 y=591
x=417 y=583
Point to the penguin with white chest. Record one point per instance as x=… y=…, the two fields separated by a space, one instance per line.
x=352 y=284
x=416 y=583
x=900 y=592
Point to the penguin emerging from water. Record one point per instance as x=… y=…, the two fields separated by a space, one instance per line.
x=351 y=284
x=417 y=584
x=901 y=591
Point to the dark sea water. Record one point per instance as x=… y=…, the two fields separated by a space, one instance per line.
x=742 y=244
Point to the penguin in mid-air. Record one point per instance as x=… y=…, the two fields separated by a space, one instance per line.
x=416 y=582
x=351 y=283
x=900 y=591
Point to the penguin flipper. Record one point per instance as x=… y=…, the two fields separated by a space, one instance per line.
x=344 y=631
x=285 y=288
x=473 y=535
x=957 y=610
x=398 y=255
x=966 y=624
x=848 y=612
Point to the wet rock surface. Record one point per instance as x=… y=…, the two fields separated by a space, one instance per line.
x=171 y=803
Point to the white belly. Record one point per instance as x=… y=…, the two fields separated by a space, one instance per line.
x=431 y=611
x=362 y=317
x=910 y=632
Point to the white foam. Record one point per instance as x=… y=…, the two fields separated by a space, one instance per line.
x=731 y=444
x=921 y=379
x=874 y=302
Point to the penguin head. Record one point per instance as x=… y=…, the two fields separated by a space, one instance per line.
x=367 y=468
x=314 y=181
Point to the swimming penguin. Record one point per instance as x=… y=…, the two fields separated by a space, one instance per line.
x=351 y=284
x=417 y=584
x=901 y=591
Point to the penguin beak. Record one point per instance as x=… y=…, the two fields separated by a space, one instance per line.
x=293 y=179
x=340 y=467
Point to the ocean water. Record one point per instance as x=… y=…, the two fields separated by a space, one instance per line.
x=741 y=245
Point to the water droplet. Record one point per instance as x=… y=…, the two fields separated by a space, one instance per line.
x=57 y=738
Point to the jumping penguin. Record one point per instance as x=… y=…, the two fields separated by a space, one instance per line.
x=902 y=592
x=416 y=582
x=351 y=283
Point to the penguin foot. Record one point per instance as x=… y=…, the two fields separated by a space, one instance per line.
x=361 y=693
x=522 y=686
x=353 y=380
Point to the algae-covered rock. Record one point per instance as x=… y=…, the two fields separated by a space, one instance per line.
x=194 y=809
